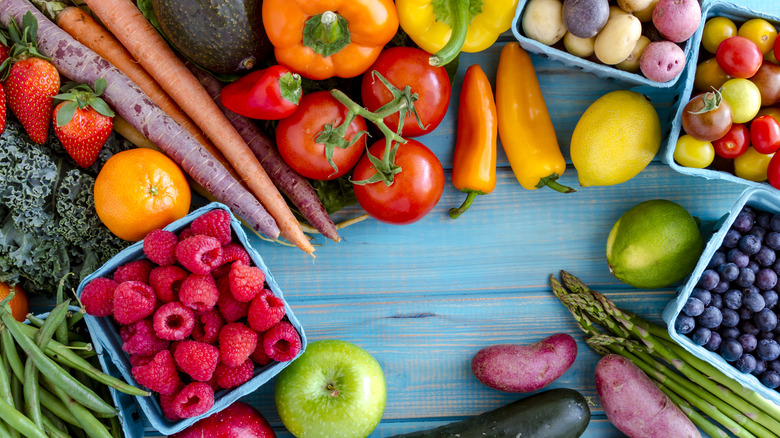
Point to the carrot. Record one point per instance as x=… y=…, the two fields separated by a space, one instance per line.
x=80 y=64
x=131 y=28
x=293 y=185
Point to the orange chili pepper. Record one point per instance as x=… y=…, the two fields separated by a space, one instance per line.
x=474 y=163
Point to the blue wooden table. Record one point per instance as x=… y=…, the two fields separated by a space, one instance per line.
x=423 y=298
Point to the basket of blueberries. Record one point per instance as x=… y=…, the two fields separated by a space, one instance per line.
x=727 y=311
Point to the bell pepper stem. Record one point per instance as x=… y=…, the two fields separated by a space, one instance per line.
x=460 y=27
x=551 y=181
x=470 y=196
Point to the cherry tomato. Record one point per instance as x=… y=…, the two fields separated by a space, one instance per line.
x=707 y=116
x=715 y=31
x=734 y=143
x=403 y=66
x=296 y=137
x=691 y=152
x=752 y=165
x=414 y=191
x=761 y=32
x=773 y=111
x=765 y=134
x=739 y=57
x=776 y=49
x=709 y=76
x=743 y=97
x=773 y=171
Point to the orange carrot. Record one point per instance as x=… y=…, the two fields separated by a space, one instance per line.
x=131 y=28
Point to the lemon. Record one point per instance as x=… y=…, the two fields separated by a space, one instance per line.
x=616 y=137
x=654 y=244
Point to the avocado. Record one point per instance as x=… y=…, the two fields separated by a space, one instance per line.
x=223 y=36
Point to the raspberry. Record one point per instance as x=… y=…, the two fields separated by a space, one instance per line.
x=265 y=311
x=160 y=247
x=138 y=360
x=245 y=281
x=159 y=375
x=200 y=254
x=232 y=252
x=199 y=292
x=166 y=282
x=185 y=234
x=236 y=343
x=230 y=377
x=197 y=359
x=98 y=296
x=259 y=356
x=133 y=301
x=193 y=400
x=168 y=404
x=173 y=321
x=230 y=308
x=137 y=270
x=207 y=326
x=215 y=223
x=140 y=339
x=282 y=342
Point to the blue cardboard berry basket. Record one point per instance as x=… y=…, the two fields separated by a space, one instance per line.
x=761 y=199
x=598 y=69
x=714 y=8
x=106 y=338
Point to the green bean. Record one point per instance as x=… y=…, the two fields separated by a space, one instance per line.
x=18 y=394
x=53 y=404
x=10 y=353
x=115 y=427
x=61 y=331
x=52 y=371
x=53 y=321
x=34 y=320
x=75 y=318
x=91 y=425
x=77 y=432
x=32 y=403
x=4 y=432
x=5 y=389
x=52 y=429
x=19 y=421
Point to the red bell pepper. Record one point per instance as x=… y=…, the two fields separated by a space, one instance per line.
x=269 y=94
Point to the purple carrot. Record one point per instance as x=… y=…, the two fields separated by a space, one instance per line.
x=291 y=183
x=80 y=64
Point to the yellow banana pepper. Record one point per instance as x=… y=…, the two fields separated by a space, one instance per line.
x=445 y=27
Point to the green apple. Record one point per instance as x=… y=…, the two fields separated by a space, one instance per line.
x=334 y=389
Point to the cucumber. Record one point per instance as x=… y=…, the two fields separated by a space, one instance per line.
x=555 y=413
x=223 y=36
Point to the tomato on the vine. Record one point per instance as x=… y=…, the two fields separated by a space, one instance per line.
x=297 y=137
x=765 y=134
x=739 y=57
x=734 y=143
x=415 y=189
x=403 y=66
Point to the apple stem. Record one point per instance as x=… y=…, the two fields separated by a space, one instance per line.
x=334 y=391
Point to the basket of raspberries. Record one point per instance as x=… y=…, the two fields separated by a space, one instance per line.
x=192 y=314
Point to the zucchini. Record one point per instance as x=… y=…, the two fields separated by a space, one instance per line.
x=555 y=413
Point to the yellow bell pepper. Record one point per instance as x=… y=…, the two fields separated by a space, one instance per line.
x=445 y=27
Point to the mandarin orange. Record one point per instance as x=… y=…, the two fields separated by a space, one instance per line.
x=20 y=306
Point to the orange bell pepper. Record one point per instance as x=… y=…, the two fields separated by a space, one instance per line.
x=474 y=163
x=320 y=39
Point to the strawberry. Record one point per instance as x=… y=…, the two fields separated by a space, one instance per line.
x=2 y=109
x=83 y=121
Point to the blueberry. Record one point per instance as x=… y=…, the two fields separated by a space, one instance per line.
x=746 y=363
x=730 y=349
x=719 y=258
x=747 y=326
x=693 y=307
x=738 y=257
x=745 y=278
x=770 y=379
x=767 y=335
x=748 y=342
x=765 y=320
x=753 y=266
x=766 y=279
x=721 y=287
x=753 y=301
x=703 y=295
x=729 y=333
x=772 y=240
x=701 y=336
x=758 y=232
x=709 y=279
x=728 y=271
x=732 y=299
x=730 y=318
x=745 y=313
x=684 y=324
x=774 y=223
x=773 y=365
x=760 y=367
x=751 y=288
x=731 y=239
x=744 y=221
x=717 y=301
x=710 y=318
x=768 y=349
x=770 y=298
x=763 y=219
x=714 y=343
x=765 y=256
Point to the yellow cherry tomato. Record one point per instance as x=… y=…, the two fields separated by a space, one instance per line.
x=752 y=165
x=716 y=30
x=691 y=152
x=744 y=97
x=709 y=76
x=760 y=32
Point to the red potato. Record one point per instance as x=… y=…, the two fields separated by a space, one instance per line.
x=524 y=368
x=635 y=405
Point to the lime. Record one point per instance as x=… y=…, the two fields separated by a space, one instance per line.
x=654 y=244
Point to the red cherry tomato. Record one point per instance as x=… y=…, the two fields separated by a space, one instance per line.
x=734 y=143
x=773 y=171
x=403 y=66
x=414 y=191
x=765 y=134
x=739 y=57
x=296 y=137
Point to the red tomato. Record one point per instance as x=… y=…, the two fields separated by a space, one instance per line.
x=773 y=171
x=739 y=57
x=765 y=134
x=734 y=143
x=403 y=66
x=296 y=137
x=415 y=190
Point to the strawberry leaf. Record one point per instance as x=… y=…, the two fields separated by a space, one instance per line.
x=100 y=86
x=65 y=113
x=101 y=107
